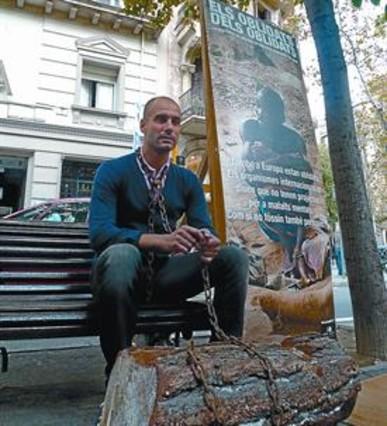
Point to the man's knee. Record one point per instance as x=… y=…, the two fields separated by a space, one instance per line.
x=233 y=257
x=117 y=269
x=119 y=255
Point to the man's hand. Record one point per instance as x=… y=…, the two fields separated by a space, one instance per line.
x=181 y=241
x=210 y=246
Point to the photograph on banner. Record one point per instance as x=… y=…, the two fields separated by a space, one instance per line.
x=272 y=184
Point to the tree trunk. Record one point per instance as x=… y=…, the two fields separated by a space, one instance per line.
x=368 y=293
x=313 y=383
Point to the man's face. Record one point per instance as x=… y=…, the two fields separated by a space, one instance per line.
x=310 y=233
x=161 y=126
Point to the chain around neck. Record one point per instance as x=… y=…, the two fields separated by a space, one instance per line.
x=152 y=176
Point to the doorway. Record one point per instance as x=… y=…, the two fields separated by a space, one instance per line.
x=13 y=171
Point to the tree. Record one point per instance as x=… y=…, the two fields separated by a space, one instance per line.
x=362 y=38
x=361 y=34
x=369 y=296
x=373 y=141
x=161 y=12
x=368 y=293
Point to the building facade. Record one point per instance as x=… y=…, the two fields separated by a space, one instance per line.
x=74 y=77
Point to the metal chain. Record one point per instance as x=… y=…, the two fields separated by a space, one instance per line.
x=149 y=257
x=200 y=374
x=158 y=203
x=220 y=334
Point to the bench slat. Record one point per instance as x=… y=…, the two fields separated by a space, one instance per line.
x=33 y=332
x=47 y=241
x=65 y=275
x=54 y=262
x=46 y=252
x=11 y=319
x=88 y=329
x=75 y=316
x=43 y=306
x=38 y=288
x=59 y=233
x=8 y=302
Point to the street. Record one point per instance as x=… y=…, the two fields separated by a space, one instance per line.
x=342 y=298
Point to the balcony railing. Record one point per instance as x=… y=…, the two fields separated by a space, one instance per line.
x=114 y=3
x=191 y=103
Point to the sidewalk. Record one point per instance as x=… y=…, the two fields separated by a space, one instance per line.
x=54 y=382
x=51 y=384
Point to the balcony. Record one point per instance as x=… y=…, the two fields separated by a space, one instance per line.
x=193 y=113
x=114 y=3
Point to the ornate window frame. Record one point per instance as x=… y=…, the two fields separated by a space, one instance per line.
x=102 y=52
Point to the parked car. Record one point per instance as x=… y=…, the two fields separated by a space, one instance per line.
x=66 y=210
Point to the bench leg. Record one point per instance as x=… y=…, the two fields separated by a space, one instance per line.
x=328 y=328
x=176 y=338
x=4 y=359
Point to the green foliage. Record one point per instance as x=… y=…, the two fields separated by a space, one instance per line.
x=372 y=136
x=328 y=184
x=160 y=12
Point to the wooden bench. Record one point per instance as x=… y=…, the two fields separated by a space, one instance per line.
x=45 y=291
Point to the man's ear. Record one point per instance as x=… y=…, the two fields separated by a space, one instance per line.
x=142 y=125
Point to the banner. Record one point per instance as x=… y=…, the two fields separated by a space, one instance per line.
x=260 y=125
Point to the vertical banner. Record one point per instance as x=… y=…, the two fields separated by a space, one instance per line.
x=261 y=133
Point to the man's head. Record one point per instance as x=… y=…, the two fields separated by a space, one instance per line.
x=160 y=125
x=270 y=106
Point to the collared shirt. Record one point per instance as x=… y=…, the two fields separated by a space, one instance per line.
x=151 y=175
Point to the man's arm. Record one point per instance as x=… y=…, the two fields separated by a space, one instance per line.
x=105 y=232
x=103 y=211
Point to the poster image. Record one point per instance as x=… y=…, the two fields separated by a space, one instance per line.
x=273 y=194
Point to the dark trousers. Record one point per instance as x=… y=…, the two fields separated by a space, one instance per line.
x=118 y=290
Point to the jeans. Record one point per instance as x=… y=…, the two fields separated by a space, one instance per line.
x=118 y=290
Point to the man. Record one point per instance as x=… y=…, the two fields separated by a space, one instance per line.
x=120 y=235
x=280 y=152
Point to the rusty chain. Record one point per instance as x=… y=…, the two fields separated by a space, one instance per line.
x=211 y=400
x=268 y=368
x=157 y=203
x=200 y=375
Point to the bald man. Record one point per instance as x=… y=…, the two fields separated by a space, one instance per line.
x=122 y=239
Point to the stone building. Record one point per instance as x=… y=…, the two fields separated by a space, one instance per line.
x=74 y=76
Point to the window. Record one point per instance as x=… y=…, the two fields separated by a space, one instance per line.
x=260 y=11
x=99 y=86
x=77 y=178
x=264 y=14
